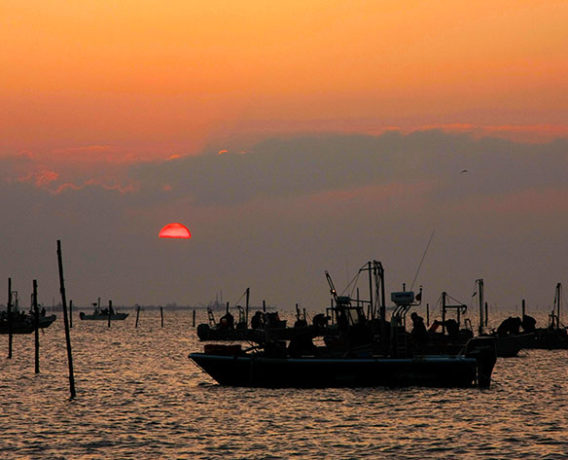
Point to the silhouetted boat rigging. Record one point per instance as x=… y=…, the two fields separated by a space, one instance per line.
x=449 y=335
x=102 y=314
x=361 y=349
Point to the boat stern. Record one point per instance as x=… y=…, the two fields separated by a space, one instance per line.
x=484 y=350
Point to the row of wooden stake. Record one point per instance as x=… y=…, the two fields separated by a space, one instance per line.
x=67 y=320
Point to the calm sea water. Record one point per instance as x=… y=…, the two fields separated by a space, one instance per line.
x=139 y=396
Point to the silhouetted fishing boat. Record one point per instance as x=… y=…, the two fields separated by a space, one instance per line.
x=102 y=314
x=360 y=350
x=261 y=369
x=555 y=336
x=227 y=329
x=24 y=323
x=509 y=339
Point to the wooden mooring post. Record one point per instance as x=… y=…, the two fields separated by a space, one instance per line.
x=162 y=315
x=36 y=323
x=109 y=311
x=193 y=318
x=9 y=313
x=66 y=322
x=137 y=316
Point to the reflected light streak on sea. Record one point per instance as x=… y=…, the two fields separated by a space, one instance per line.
x=139 y=396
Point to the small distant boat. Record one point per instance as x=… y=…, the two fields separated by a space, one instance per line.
x=102 y=314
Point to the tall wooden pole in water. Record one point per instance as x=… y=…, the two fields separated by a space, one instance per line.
x=523 y=311
x=162 y=315
x=137 y=315
x=109 y=311
x=66 y=321
x=480 y=293
x=193 y=318
x=36 y=319
x=558 y=301
x=9 y=312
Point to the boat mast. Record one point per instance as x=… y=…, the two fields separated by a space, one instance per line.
x=371 y=312
x=379 y=273
x=380 y=280
x=481 y=304
x=247 y=306
x=444 y=294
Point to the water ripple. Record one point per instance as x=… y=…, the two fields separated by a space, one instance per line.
x=138 y=396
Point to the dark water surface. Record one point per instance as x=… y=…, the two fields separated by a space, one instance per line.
x=139 y=396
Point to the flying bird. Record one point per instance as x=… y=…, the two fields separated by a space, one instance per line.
x=464 y=171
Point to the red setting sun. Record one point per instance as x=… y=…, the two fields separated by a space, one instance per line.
x=175 y=230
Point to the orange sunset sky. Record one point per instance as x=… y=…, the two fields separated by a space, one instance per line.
x=355 y=118
x=127 y=80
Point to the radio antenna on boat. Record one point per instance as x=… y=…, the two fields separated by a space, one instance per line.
x=422 y=260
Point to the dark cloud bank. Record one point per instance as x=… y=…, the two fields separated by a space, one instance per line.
x=300 y=166
x=276 y=217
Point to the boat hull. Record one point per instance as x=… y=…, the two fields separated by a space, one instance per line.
x=549 y=339
x=207 y=333
x=260 y=371
x=508 y=346
x=28 y=326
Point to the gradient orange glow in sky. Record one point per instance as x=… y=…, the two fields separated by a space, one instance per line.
x=148 y=79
